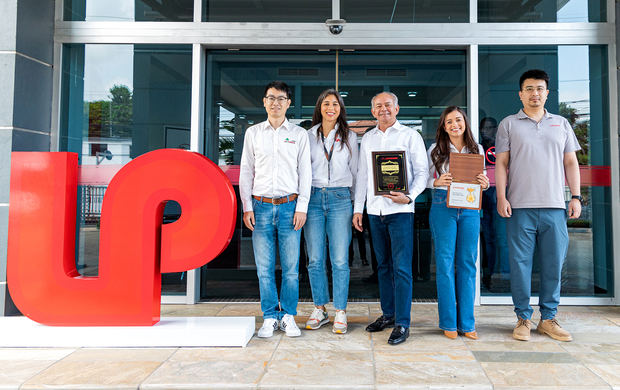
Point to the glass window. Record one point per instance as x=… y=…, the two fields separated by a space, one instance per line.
x=394 y=11
x=118 y=102
x=316 y=11
x=578 y=91
x=425 y=82
x=123 y=10
x=550 y=11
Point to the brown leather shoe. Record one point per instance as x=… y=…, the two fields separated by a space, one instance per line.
x=471 y=335
x=552 y=329
x=451 y=334
x=522 y=330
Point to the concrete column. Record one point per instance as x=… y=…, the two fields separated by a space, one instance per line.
x=26 y=58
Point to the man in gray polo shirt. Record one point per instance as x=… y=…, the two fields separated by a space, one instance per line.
x=535 y=154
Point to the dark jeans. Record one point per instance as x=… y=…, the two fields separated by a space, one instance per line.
x=391 y=236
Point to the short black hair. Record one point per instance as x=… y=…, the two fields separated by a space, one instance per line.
x=535 y=74
x=280 y=86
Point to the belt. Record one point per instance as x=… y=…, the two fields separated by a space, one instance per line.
x=276 y=201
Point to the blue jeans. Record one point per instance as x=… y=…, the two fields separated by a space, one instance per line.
x=271 y=221
x=392 y=237
x=455 y=234
x=329 y=220
x=526 y=230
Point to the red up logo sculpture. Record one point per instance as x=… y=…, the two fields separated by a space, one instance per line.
x=134 y=247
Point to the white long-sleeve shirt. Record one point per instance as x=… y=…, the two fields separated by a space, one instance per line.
x=340 y=171
x=395 y=137
x=433 y=174
x=275 y=163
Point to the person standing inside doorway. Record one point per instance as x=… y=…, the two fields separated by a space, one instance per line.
x=274 y=185
x=333 y=151
x=535 y=155
x=455 y=230
x=391 y=216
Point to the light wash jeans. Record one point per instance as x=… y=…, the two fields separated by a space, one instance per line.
x=455 y=234
x=329 y=222
x=271 y=221
x=526 y=230
x=392 y=237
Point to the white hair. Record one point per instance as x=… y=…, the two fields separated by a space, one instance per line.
x=394 y=98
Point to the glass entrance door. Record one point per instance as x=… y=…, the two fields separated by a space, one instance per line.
x=425 y=82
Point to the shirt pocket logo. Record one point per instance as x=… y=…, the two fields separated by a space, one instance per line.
x=289 y=141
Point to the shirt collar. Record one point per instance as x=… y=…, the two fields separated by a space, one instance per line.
x=522 y=115
x=286 y=124
x=395 y=126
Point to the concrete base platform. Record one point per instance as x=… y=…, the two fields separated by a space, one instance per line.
x=169 y=332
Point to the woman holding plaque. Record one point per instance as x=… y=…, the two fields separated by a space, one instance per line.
x=455 y=230
x=334 y=153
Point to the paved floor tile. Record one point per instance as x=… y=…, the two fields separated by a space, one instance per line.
x=536 y=374
x=198 y=310
x=610 y=373
x=514 y=345
x=425 y=375
x=205 y=375
x=355 y=339
x=305 y=373
x=100 y=368
x=17 y=365
x=523 y=357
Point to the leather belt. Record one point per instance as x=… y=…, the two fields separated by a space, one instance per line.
x=276 y=201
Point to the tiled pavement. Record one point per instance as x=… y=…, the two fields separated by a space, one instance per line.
x=356 y=360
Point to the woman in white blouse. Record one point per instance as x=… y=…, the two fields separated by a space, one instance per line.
x=334 y=153
x=455 y=230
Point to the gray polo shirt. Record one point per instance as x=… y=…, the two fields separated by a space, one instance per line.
x=536 y=166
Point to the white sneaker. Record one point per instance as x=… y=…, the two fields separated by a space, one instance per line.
x=340 y=322
x=288 y=325
x=318 y=318
x=269 y=325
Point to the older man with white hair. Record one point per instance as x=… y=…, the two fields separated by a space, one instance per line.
x=391 y=215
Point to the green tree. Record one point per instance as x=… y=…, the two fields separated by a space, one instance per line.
x=582 y=131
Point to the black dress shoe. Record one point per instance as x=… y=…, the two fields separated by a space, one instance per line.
x=399 y=334
x=380 y=324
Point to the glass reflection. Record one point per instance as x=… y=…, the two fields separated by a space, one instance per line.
x=123 y=10
x=578 y=91
x=118 y=102
x=549 y=11
x=425 y=82
x=316 y=11
x=394 y=11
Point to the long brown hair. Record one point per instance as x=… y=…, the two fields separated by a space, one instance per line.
x=441 y=153
x=343 y=126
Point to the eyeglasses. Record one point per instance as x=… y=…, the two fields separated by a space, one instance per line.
x=272 y=99
x=532 y=89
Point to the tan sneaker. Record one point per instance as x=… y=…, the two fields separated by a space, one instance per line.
x=522 y=330
x=553 y=329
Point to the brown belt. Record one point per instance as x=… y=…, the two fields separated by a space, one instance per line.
x=276 y=201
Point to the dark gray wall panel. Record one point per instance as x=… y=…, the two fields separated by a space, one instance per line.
x=35 y=29
x=25 y=141
x=33 y=95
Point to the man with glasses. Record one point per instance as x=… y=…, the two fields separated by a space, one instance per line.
x=535 y=154
x=274 y=186
x=391 y=216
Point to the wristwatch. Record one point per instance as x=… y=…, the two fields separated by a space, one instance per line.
x=577 y=197
x=410 y=200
